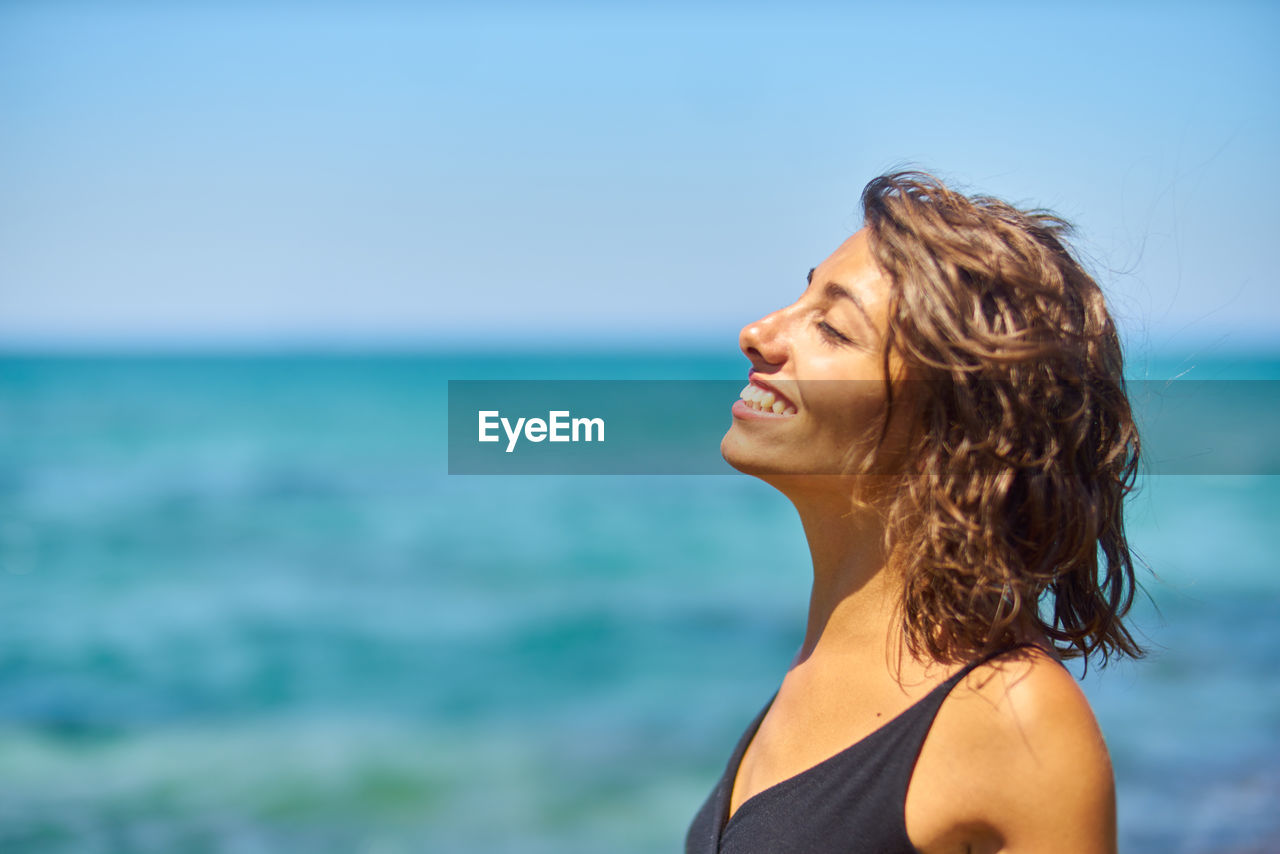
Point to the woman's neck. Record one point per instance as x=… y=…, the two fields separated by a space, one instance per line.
x=854 y=600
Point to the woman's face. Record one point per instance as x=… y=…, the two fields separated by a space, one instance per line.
x=816 y=396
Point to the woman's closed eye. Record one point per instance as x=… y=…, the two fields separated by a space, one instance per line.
x=831 y=335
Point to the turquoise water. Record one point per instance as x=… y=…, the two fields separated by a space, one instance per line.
x=243 y=608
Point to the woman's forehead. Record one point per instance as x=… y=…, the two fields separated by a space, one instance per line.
x=853 y=267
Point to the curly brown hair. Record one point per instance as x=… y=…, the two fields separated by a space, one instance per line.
x=1024 y=443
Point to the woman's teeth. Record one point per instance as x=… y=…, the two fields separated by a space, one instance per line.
x=765 y=401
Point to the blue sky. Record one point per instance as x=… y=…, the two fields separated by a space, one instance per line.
x=239 y=174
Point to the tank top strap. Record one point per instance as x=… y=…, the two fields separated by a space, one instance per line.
x=955 y=678
x=896 y=762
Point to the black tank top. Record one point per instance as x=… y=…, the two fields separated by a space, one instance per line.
x=853 y=802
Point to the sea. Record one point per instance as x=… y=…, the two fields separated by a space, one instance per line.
x=244 y=607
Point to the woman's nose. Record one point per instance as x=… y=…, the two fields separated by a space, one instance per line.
x=764 y=340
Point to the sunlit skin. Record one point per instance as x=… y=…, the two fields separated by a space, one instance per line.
x=824 y=352
x=1014 y=761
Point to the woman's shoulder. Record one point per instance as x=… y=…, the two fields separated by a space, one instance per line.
x=1017 y=748
x=1025 y=687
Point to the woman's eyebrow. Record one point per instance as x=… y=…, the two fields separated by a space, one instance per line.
x=834 y=292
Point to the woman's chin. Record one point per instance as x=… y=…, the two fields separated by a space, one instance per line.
x=791 y=476
x=769 y=464
x=745 y=456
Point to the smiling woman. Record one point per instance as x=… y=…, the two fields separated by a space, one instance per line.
x=944 y=405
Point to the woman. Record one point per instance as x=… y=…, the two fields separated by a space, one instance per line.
x=945 y=407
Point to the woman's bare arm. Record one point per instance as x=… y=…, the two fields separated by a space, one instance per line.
x=1015 y=763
